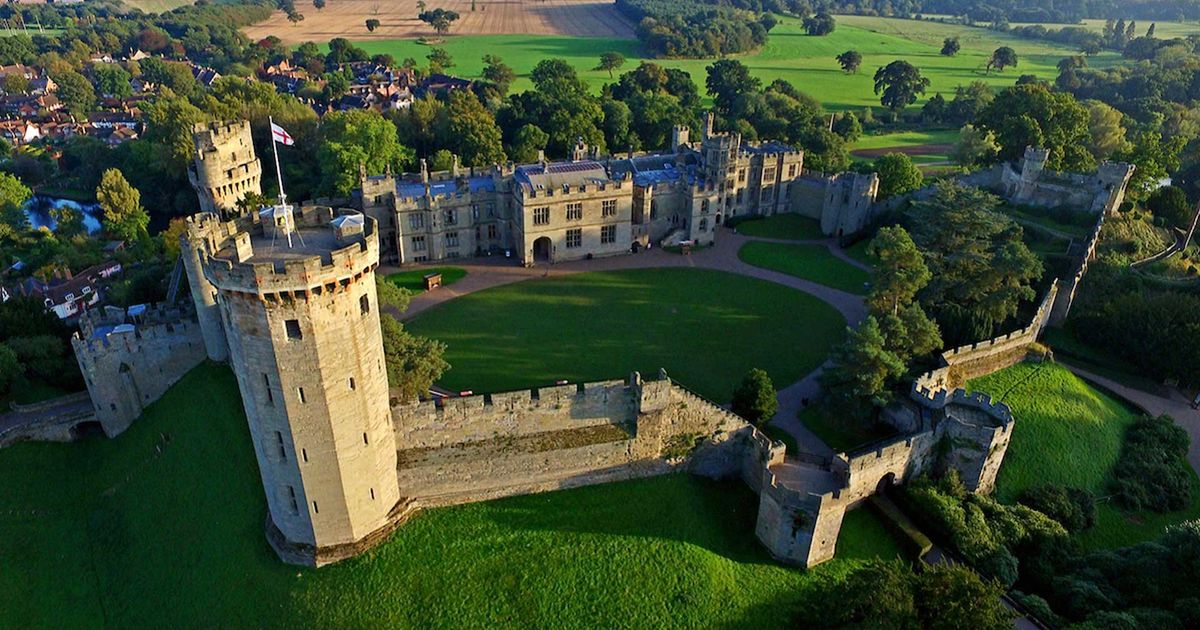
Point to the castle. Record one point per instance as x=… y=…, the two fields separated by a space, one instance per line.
x=286 y=296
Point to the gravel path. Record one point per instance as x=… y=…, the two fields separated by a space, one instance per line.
x=485 y=273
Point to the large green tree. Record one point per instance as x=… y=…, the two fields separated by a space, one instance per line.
x=124 y=216
x=471 y=131
x=754 y=399
x=850 y=61
x=861 y=372
x=13 y=195
x=414 y=363
x=353 y=138
x=899 y=84
x=728 y=79
x=1030 y=115
x=981 y=268
x=897 y=175
x=75 y=92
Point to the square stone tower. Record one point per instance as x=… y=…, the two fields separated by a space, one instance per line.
x=299 y=309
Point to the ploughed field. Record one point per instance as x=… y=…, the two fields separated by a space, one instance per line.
x=398 y=20
x=707 y=328
x=163 y=527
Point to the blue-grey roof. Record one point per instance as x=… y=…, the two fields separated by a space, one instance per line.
x=767 y=148
x=409 y=190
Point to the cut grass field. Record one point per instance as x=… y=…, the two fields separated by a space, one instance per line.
x=707 y=328
x=792 y=227
x=810 y=262
x=1070 y=433
x=141 y=531
x=415 y=280
x=790 y=54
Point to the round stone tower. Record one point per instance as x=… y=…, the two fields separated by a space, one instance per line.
x=224 y=168
x=297 y=298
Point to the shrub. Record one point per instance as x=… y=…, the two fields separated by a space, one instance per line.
x=755 y=398
x=1152 y=472
x=1073 y=508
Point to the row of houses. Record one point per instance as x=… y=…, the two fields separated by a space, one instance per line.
x=374 y=86
x=65 y=294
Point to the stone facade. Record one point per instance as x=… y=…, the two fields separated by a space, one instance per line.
x=1029 y=183
x=599 y=206
x=300 y=314
x=129 y=358
x=225 y=168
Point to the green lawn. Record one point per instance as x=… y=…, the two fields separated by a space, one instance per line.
x=1070 y=433
x=415 y=280
x=900 y=140
x=142 y=532
x=792 y=227
x=707 y=328
x=858 y=251
x=810 y=262
x=842 y=437
x=790 y=54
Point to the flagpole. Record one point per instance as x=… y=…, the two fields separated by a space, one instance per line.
x=278 y=172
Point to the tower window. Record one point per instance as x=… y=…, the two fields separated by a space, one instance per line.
x=292 y=326
x=292 y=498
x=315 y=509
x=267 y=386
x=351 y=383
x=300 y=393
x=279 y=443
x=372 y=494
x=364 y=304
x=304 y=454
x=365 y=441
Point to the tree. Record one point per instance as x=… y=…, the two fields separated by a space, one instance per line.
x=897 y=175
x=910 y=333
x=295 y=17
x=610 y=61
x=975 y=147
x=439 y=60
x=13 y=195
x=950 y=46
x=318 y=4
x=755 y=398
x=1171 y=205
x=899 y=271
x=728 y=79
x=75 y=92
x=439 y=19
x=413 y=363
x=1104 y=126
x=1150 y=31
x=1002 y=58
x=355 y=138
x=498 y=74
x=528 y=141
x=819 y=24
x=850 y=61
x=861 y=372
x=900 y=83
x=10 y=368
x=124 y=216
x=981 y=269
x=15 y=83
x=372 y=24
x=1032 y=116
x=953 y=596
x=112 y=80
x=392 y=296
x=472 y=132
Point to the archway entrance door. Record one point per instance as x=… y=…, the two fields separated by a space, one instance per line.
x=542 y=249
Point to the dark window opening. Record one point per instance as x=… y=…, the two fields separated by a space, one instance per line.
x=293 y=329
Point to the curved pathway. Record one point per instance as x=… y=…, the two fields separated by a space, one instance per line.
x=488 y=272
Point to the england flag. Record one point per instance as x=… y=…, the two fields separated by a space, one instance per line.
x=278 y=134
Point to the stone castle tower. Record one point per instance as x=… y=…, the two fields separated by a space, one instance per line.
x=304 y=341
x=224 y=168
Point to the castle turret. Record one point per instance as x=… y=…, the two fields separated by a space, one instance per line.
x=679 y=138
x=1033 y=162
x=204 y=294
x=224 y=168
x=302 y=324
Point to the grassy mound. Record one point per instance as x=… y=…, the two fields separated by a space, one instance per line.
x=1070 y=433
x=707 y=328
x=162 y=527
x=809 y=262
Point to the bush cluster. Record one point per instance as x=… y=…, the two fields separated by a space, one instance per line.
x=1152 y=472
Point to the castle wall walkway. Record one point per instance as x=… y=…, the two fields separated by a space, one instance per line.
x=485 y=273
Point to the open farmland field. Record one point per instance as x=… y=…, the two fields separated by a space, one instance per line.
x=790 y=54
x=1162 y=29
x=398 y=20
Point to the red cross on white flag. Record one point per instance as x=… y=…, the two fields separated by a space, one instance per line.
x=278 y=134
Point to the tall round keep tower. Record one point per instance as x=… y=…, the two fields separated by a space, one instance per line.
x=297 y=298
